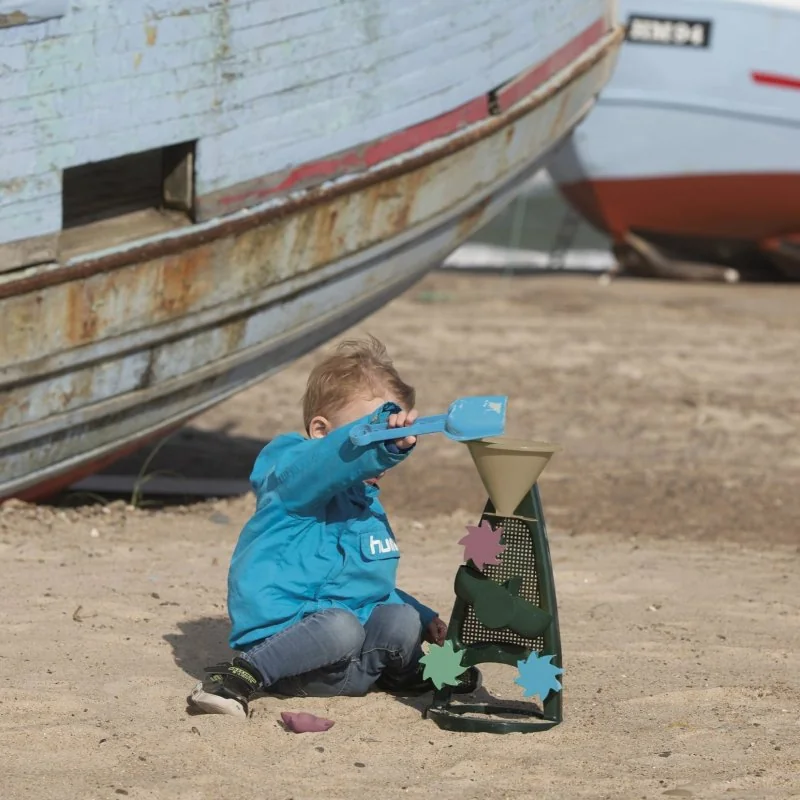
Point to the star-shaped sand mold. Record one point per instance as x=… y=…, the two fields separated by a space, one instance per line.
x=482 y=544
x=537 y=676
x=443 y=665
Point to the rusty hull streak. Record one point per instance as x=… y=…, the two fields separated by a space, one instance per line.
x=471 y=221
x=162 y=290
x=13 y=19
x=83 y=318
x=177 y=244
x=559 y=117
x=183 y=281
x=96 y=304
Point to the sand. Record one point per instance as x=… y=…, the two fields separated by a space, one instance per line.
x=674 y=516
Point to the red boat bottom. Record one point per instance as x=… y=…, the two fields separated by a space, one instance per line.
x=744 y=207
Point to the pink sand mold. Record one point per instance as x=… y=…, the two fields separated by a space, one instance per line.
x=302 y=722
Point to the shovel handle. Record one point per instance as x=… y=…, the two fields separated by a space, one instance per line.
x=381 y=432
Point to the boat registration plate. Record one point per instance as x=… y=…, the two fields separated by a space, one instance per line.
x=666 y=31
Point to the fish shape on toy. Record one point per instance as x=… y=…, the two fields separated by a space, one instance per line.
x=499 y=605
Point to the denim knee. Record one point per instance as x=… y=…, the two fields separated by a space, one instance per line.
x=400 y=627
x=346 y=631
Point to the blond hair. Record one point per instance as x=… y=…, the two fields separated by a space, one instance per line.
x=356 y=365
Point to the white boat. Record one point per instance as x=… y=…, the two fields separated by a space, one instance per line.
x=191 y=196
x=692 y=151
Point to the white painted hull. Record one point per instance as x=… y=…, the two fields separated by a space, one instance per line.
x=112 y=347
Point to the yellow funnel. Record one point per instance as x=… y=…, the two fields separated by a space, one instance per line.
x=509 y=468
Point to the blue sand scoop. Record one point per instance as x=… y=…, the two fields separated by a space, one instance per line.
x=468 y=418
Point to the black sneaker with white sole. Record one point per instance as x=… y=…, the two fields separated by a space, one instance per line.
x=227 y=690
x=469 y=681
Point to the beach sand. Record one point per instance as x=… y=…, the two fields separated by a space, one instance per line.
x=674 y=519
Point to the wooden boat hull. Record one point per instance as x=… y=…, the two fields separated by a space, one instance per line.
x=111 y=348
x=692 y=146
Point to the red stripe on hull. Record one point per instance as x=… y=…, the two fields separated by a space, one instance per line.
x=527 y=83
x=751 y=207
x=779 y=81
x=372 y=153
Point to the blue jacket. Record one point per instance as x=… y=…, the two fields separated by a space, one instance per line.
x=319 y=537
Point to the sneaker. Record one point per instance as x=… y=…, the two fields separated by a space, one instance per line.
x=469 y=681
x=227 y=690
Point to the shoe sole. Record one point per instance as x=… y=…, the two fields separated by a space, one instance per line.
x=214 y=704
x=419 y=691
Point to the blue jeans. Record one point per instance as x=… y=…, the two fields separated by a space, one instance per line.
x=331 y=653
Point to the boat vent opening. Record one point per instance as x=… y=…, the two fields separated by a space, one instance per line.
x=112 y=202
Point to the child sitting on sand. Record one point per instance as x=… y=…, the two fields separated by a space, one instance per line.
x=311 y=588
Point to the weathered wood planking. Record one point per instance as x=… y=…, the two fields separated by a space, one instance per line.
x=328 y=153
x=261 y=84
x=111 y=348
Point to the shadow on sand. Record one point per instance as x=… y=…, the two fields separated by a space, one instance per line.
x=200 y=643
x=188 y=466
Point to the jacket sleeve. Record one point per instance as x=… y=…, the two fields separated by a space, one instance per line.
x=317 y=469
x=425 y=614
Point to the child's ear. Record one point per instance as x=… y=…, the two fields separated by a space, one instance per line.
x=319 y=428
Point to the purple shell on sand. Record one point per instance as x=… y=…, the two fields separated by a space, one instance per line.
x=301 y=722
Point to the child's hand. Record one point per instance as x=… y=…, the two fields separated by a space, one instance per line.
x=400 y=420
x=436 y=631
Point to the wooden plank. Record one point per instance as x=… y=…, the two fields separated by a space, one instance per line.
x=639 y=257
x=178 y=169
x=118 y=230
x=28 y=252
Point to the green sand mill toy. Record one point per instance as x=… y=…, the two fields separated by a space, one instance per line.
x=505 y=609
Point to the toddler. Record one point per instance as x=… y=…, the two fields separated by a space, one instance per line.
x=311 y=588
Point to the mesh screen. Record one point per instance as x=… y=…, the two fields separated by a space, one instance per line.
x=517 y=561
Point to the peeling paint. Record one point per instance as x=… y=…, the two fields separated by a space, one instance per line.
x=14 y=18
x=13 y=186
x=29 y=12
